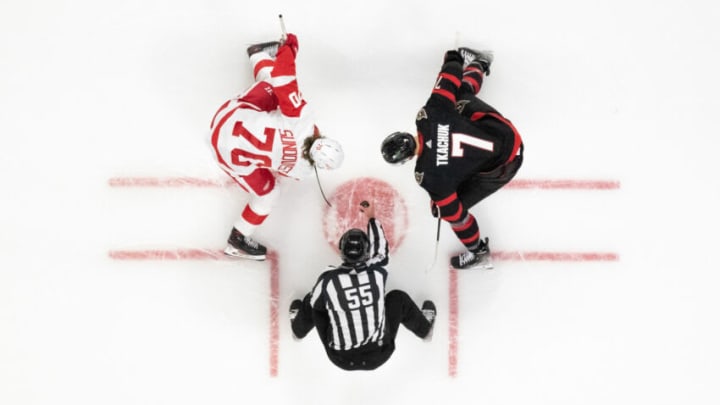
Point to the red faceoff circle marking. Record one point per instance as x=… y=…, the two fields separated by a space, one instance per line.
x=390 y=210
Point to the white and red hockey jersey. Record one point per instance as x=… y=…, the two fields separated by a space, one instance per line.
x=266 y=126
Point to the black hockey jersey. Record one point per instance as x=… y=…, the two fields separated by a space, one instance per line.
x=458 y=140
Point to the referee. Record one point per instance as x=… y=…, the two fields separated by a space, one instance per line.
x=356 y=320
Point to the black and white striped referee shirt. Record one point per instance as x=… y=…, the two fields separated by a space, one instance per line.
x=354 y=297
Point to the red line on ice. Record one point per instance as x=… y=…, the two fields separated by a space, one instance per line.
x=517 y=184
x=453 y=323
x=274 y=312
x=453 y=311
x=168 y=182
x=556 y=256
x=208 y=254
x=177 y=254
x=564 y=184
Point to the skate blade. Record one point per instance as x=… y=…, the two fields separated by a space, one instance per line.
x=480 y=266
x=486 y=266
x=237 y=254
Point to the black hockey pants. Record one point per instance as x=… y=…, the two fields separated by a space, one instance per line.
x=481 y=185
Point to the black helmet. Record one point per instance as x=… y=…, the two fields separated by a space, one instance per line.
x=354 y=246
x=398 y=147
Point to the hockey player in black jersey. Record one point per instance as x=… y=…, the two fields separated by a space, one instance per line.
x=356 y=320
x=465 y=149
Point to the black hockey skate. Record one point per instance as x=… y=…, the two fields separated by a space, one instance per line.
x=482 y=59
x=244 y=247
x=270 y=47
x=478 y=258
x=429 y=312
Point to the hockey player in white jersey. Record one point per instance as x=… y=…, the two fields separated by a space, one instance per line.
x=265 y=134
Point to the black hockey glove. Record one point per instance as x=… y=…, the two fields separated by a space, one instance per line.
x=453 y=56
x=434 y=209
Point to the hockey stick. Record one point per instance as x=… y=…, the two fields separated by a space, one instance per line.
x=437 y=242
x=317 y=176
x=282 y=27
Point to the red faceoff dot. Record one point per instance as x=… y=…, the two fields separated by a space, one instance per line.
x=345 y=213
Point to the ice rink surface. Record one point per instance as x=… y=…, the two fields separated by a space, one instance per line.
x=614 y=91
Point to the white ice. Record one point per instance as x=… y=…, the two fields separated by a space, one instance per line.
x=620 y=90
